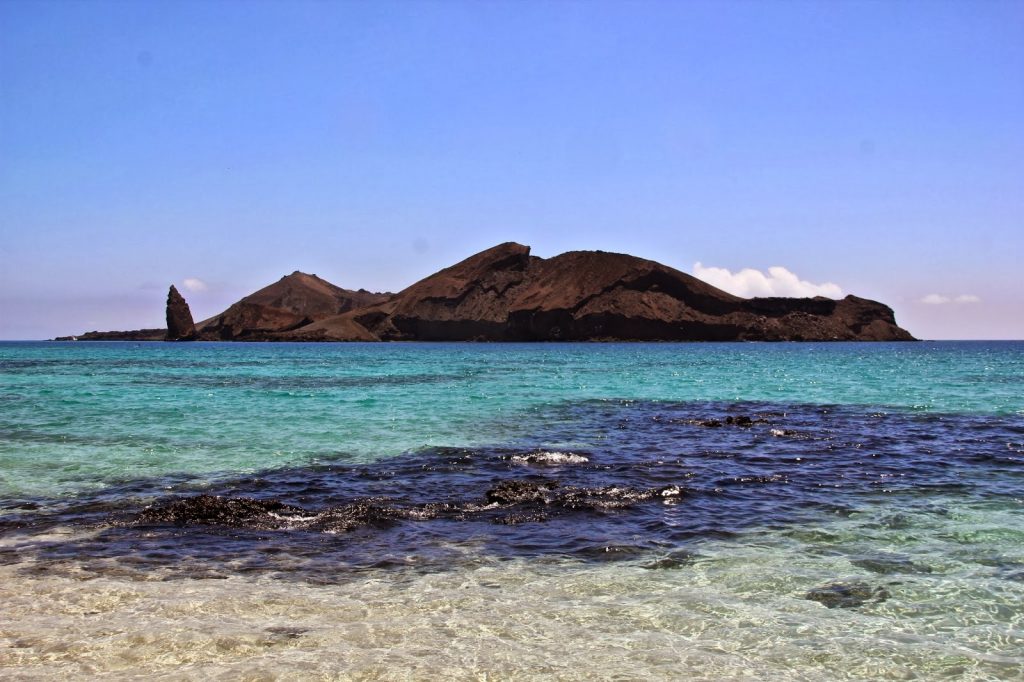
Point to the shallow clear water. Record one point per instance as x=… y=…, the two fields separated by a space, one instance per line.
x=578 y=511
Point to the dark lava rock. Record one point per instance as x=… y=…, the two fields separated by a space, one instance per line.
x=246 y=512
x=222 y=511
x=180 y=326
x=517 y=518
x=518 y=492
x=847 y=595
x=741 y=420
x=607 y=497
x=358 y=514
x=527 y=501
x=548 y=493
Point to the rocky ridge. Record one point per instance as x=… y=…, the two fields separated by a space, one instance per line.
x=277 y=311
x=506 y=294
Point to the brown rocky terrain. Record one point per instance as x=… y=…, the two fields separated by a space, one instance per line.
x=505 y=294
x=294 y=301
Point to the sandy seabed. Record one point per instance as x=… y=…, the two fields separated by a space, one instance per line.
x=739 y=616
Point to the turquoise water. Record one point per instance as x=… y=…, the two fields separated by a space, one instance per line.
x=81 y=415
x=506 y=511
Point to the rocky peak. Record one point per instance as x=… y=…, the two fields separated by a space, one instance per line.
x=180 y=326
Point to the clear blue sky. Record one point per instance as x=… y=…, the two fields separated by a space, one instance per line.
x=878 y=146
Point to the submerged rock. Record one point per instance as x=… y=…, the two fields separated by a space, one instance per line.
x=886 y=564
x=286 y=631
x=738 y=420
x=517 y=518
x=674 y=561
x=1016 y=576
x=743 y=420
x=610 y=553
x=847 y=595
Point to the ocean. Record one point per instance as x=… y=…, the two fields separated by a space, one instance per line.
x=419 y=511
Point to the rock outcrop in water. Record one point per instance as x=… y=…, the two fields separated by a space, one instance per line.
x=180 y=326
x=214 y=510
x=509 y=502
x=131 y=335
x=847 y=595
x=506 y=294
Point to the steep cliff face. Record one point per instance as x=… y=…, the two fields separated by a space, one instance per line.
x=276 y=311
x=505 y=294
x=180 y=326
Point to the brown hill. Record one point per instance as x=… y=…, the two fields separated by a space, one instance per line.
x=294 y=301
x=505 y=294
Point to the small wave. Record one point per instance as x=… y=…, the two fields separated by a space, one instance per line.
x=551 y=457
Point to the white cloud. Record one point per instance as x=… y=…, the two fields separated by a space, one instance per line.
x=779 y=281
x=939 y=299
x=194 y=284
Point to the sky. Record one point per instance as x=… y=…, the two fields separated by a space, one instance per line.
x=787 y=148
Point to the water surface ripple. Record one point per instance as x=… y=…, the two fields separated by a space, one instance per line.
x=655 y=480
x=512 y=511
